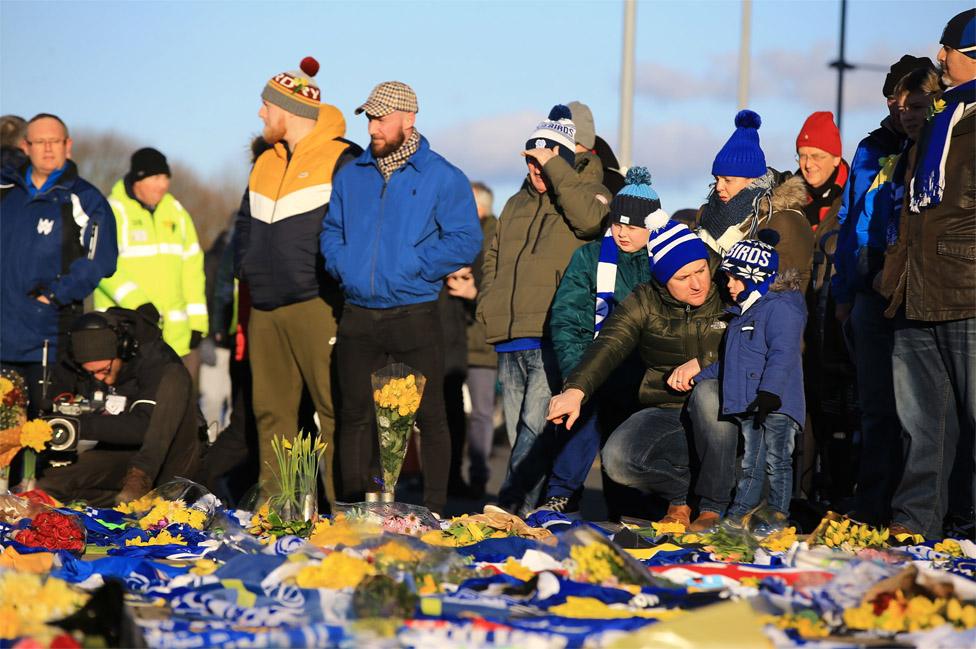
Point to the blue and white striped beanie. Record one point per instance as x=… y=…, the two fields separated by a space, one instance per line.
x=671 y=246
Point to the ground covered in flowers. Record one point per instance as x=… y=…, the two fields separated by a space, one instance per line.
x=181 y=570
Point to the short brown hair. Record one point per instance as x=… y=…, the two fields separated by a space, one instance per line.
x=924 y=79
x=41 y=116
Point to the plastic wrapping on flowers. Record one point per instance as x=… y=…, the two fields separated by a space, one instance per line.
x=38 y=526
x=397 y=392
x=177 y=501
x=398 y=518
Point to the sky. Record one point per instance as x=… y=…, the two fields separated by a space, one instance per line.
x=186 y=77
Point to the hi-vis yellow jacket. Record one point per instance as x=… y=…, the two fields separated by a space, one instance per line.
x=160 y=261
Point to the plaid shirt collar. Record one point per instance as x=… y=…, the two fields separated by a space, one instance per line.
x=398 y=158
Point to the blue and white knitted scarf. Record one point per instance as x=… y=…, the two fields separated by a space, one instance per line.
x=606 y=281
x=928 y=183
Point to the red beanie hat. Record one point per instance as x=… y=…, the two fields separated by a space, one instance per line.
x=820 y=131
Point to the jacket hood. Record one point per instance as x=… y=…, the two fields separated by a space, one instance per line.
x=788 y=280
x=791 y=194
x=330 y=125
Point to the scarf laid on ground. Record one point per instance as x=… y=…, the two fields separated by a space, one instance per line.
x=822 y=198
x=719 y=226
x=928 y=183
x=398 y=158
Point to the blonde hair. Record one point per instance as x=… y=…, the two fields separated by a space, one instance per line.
x=924 y=79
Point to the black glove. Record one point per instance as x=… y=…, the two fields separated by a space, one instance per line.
x=195 y=338
x=150 y=312
x=765 y=403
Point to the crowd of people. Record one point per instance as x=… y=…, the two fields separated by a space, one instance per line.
x=687 y=350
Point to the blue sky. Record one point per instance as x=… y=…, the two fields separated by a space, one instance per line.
x=186 y=77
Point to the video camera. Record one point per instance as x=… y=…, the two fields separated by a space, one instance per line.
x=65 y=421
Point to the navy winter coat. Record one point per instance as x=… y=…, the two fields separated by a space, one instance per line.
x=60 y=244
x=763 y=351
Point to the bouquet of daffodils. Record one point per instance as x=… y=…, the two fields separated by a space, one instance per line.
x=397 y=391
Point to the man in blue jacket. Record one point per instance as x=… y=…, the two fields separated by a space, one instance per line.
x=57 y=241
x=401 y=218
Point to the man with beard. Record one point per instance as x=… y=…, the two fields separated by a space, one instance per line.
x=295 y=305
x=401 y=219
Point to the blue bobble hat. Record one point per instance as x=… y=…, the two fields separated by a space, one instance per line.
x=637 y=201
x=742 y=156
x=557 y=130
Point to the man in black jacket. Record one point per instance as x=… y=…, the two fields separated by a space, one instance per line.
x=149 y=430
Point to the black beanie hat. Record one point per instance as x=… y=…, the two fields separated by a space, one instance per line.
x=147 y=162
x=94 y=345
x=900 y=68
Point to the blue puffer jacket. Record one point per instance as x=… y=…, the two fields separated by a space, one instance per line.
x=762 y=351
x=60 y=244
x=392 y=243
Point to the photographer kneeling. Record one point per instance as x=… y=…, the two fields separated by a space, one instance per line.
x=149 y=429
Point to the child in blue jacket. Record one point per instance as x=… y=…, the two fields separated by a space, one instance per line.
x=761 y=372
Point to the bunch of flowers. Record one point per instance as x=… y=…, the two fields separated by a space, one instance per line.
x=849 y=535
x=53 y=530
x=329 y=534
x=28 y=601
x=896 y=613
x=780 y=541
x=596 y=564
x=409 y=524
x=725 y=544
x=166 y=512
x=161 y=538
x=395 y=555
x=296 y=473
x=13 y=399
x=462 y=531
x=16 y=432
x=337 y=570
x=268 y=525
x=950 y=547
x=806 y=623
x=397 y=391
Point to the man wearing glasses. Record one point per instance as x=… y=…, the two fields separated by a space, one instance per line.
x=57 y=241
x=147 y=429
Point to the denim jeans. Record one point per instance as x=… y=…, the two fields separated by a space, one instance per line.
x=716 y=440
x=768 y=453
x=481 y=428
x=934 y=370
x=881 y=455
x=577 y=448
x=649 y=452
x=529 y=379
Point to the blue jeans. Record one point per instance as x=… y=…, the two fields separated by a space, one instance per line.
x=529 y=379
x=934 y=370
x=716 y=441
x=880 y=465
x=768 y=452
x=575 y=457
x=649 y=452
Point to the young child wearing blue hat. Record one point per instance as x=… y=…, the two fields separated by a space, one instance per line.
x=760 y=370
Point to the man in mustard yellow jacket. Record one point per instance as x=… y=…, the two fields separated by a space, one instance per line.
x=160 y=266
x=295 y=304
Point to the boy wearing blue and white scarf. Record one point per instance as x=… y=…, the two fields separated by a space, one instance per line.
x=599 y=276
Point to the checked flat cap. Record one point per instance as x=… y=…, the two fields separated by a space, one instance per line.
x=388 y=97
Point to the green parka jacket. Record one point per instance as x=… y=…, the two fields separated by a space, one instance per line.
x=666 y=333
x=534 y=240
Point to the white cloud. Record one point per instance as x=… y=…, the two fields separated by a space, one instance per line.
x=487 y=148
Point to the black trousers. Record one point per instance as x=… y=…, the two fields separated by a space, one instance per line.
x=368 y=340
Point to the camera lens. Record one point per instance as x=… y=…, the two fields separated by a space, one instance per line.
x=63 y=434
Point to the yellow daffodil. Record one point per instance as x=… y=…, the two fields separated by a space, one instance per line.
x=338 y=570
x=6 y=385
x=35 y=434
x=163 y=538
x=515 y=569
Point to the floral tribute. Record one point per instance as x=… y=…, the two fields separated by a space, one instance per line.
x=52 y=530
x=16 y=432
x=296 y=473
x=28 y=602
x=397 y=391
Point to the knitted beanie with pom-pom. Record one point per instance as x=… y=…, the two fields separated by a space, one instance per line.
x=295 y=90
x=742 y=156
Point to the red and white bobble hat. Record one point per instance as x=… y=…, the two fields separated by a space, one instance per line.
x=295 y=90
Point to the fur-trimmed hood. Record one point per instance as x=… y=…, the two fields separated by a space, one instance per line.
x=791 y=194
x=788 y=280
